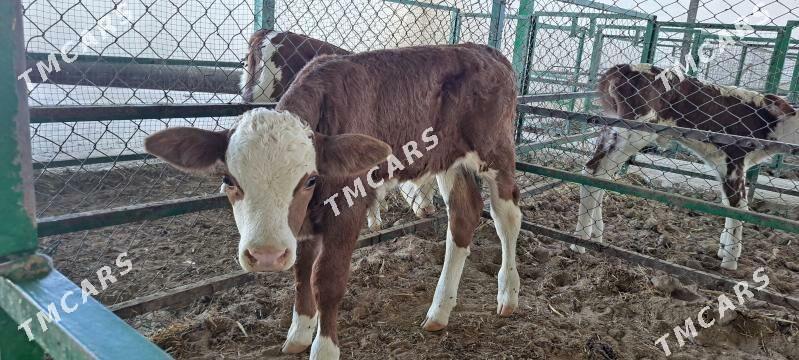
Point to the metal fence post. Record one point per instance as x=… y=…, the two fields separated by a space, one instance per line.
x=521 y=44
x=17 y=227
x=455 y=26
x=524 y=75
x=650 y=41
x=741 y=63
x=776 y=65
x=497 y=23
x=264 y=14
x=793 y=91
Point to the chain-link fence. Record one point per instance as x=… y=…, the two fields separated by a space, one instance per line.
x=130 y=68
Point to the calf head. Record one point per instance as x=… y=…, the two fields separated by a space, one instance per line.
x=269 y=166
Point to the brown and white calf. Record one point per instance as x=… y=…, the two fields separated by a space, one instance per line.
x=274 y=60
x=647 y=93
x=446 y=111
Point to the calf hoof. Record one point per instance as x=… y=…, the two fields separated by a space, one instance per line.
x=376 y=226
x=324 y=349
x=432 y=325
x=294 y=347
x=425 y=211
x=721 y=252
x=729 y=264
x=505 y=310
x=577 y=249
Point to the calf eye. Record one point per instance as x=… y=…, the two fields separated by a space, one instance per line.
x=311 y=182
x=226 y=180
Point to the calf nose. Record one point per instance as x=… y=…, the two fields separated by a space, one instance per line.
x=267 y=258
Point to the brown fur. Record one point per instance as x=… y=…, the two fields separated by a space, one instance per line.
x=466 y=93
x=294 y=51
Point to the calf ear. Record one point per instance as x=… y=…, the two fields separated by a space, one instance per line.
x=348 y=154
x=190 y=149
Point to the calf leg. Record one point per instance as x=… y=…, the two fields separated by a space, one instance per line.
x=330 y=275
x=733 y=191
x=507 y=221
x=614 y=148
x=419 y=197
x=462 y=197
x=373 y=219
x=304 y=316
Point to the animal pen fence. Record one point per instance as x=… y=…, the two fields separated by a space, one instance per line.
x=104 y=75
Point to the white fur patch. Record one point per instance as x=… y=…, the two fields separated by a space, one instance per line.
x=324 y=348
x=268 y=154
x=446 y=295
x=644 y=68
x=300 y=334
x=748 y=96
x=267 y=71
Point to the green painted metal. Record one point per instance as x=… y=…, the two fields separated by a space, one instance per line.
x=264 y=14
x=777 y=62
x=17 y=226
x=699 y=39
x=423 y=4
x=14 y=344
x=793 y=91
x=525 y=148
x=124 y=60
x=741 y=63
x=666 y=198
x=650 y=41
x=577 y=69
x=521 y=43
x=524 y=76
x=610 y=8
x=455 y=27
x=76 y=335
x=716 y=26
x=496 y=26
x=122 y=215
x=585 y=15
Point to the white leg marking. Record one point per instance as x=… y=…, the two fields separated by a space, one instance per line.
x=446 y=295
x=589 y=216
x=324 y=348
x=419 y=196
x=373 y=219
x=300 y=333
x=508 y=221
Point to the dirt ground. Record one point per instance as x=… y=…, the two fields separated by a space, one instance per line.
x=571 y=306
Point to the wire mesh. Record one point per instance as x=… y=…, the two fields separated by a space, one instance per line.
x=194 y=52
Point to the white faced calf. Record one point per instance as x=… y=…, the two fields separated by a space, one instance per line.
x=337 y=126
x=647 y=93
x=274 y=60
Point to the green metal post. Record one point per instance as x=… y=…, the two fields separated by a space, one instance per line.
x=497 y=23
x=455 y=26
x=524 y=75
x=264 y=14
x=577 y=70
x=650 y=41
x=700 y=39
x=593 y=68
x=13 y=343
x=741 y=63
x=18 y=223
x=521 y=43
x=793 y=91
x=776 y=66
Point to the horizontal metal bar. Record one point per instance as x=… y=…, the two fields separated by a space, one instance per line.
x=125 y=60
x=558 y=96
x=142 y=76
x=185 y=295
x=708 y=280
x=423 y=5
x=38 y=165
x=586 y=15
x=700 y=25
x=558 y=82
x=609 y=8
x=94 y=219
x=664 y=130
x=57 y=114
x=527 y=147
x=666 y=198
x=488 y=16
x=75 y=336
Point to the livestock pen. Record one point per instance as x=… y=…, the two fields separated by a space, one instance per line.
x=87 y=211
